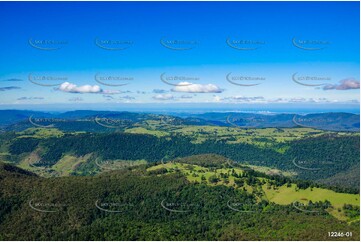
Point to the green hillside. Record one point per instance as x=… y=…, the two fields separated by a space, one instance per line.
x=264 y=187
x=278 y=150
x=149 y=204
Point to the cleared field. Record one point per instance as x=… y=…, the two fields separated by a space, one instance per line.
x=286 y=195
x=141 y=130
x=41 y=133
x=256 y=136
x=194 y=173
x=68 y=164
x=272 y=171
x=282 y=195
x=111 y=165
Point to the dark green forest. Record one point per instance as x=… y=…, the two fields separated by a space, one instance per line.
x=176 y=181
x=137 y=198
x=327 y=155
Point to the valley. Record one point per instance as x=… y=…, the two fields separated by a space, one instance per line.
x=164 y=175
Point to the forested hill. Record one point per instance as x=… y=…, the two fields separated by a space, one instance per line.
x=137 y=204
x=326 y=156
x=86 y=120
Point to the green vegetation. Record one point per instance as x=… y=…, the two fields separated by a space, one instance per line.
x=328 y=154
x=157 y=177
x=149 y=207
x=41 y=133
x=141 y=130
x=263 y=188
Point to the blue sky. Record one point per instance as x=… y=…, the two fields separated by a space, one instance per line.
x=81 y=45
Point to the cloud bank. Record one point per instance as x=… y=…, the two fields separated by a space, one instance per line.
x=196 y=88
x=30 y=98
x=3 y=89
x=163 y=97
x=72 y=88
x=345 y=84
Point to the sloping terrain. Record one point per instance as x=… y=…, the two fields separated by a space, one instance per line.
x=328 y=154
x=141 y=204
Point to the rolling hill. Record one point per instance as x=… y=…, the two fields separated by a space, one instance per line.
x=148 y=203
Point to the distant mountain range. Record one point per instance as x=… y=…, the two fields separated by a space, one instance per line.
x=21 y=119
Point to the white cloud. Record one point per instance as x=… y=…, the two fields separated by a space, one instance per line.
x=300 y=100
x=72 y=88
x=260 y=99
x=217 y=98
x=245 y=99
x=297 y=100
x=110 y=92
x=345 y=84
x=163 y=97
x=196 y=88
